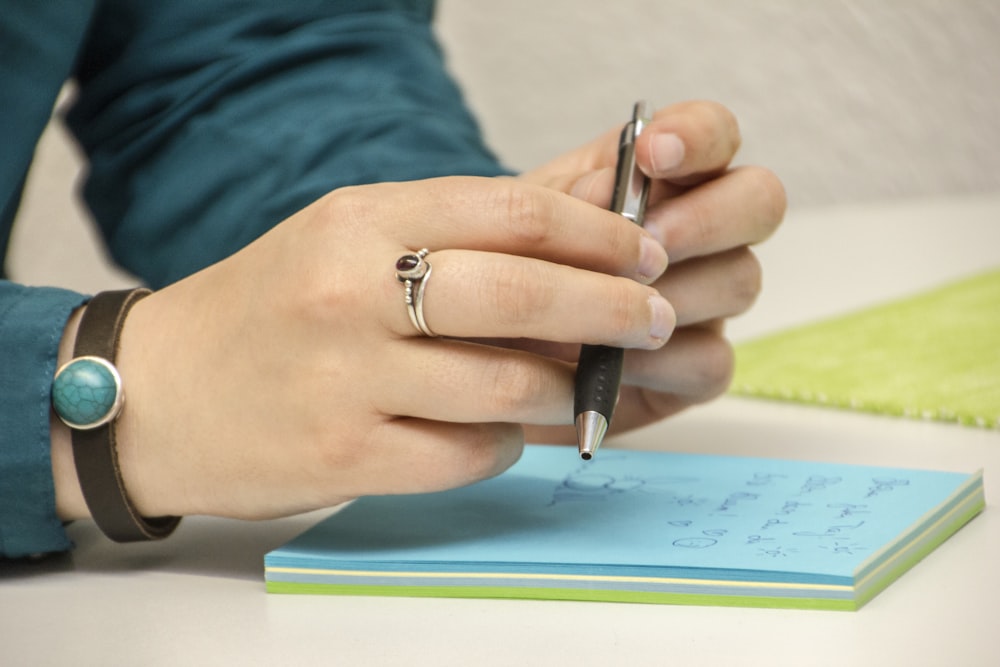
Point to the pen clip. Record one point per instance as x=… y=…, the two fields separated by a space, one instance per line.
x=631 y=185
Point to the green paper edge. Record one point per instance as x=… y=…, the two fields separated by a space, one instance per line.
x=590 y=595
x=917 y=556
x=585 y=595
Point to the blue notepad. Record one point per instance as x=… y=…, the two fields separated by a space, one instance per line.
x=640 y=527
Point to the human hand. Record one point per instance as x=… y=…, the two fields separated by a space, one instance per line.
x=288 y=377
x=706 y=215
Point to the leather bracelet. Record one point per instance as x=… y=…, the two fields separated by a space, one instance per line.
x=87 y=395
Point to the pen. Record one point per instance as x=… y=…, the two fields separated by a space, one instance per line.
x=599 y=371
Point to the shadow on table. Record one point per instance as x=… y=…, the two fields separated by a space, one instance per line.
x=201 y=546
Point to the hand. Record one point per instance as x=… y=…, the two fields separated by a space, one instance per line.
x=706 y=215
x=288 y=377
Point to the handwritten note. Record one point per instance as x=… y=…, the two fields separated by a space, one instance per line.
x=644 y=514
x=734 y=512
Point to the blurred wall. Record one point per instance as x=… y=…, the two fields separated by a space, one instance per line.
x=846 y=100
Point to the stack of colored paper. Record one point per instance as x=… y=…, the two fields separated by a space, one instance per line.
x=640 y=527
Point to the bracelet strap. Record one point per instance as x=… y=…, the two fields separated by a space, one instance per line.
x=95 y=450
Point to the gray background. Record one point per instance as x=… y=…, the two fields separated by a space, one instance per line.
x=849 y=102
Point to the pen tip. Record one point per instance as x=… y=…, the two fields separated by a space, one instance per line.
x=590 y=429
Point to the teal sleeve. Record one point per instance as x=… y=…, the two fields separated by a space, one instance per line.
x=38 y=46
x=31 y=326
x=206 y=123
x=39 y=42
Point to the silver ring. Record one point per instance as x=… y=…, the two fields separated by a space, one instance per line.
x=414 y=271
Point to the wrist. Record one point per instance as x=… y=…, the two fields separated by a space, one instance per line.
x=141 y=443
x=88 y=395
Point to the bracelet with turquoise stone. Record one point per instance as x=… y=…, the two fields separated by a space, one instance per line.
x=87 y=393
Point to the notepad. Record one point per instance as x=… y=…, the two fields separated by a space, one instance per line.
x=635 y=526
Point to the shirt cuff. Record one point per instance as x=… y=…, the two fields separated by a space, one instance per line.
x=32 y=320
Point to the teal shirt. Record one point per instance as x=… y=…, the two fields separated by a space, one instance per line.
x=204 y=123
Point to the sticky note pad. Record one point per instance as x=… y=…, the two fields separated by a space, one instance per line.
x=934 y=355
x=636 y=526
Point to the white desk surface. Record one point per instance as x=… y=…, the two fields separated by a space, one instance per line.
x=198 y=598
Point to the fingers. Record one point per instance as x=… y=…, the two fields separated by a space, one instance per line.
x=683 y=145
x=466 y=382
x=478 y=294
x=713 y=287
x=697 y=365
x=688 y=142
x=434 y=455
x=742 y=207
x=506 y=216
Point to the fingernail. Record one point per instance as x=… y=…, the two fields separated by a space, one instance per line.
x=667 y=152
x=663 y=320
x=652 y=259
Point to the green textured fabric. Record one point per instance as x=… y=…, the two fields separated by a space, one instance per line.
x=935 y=356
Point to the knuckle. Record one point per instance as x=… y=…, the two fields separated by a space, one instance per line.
x=524 y=212
x=700 y=228
x=627 y=299
x=516 y=384
x=347 y=207
x=518 y=294
x=317 y=288
x=329 y=296
x=331 y=457
x=622 y=244
x=488 y=450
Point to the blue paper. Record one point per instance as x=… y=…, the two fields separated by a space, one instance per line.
x=642 y=515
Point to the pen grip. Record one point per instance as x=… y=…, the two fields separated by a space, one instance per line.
x=598 y=378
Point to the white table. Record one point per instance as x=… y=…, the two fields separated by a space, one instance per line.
x=198 y=598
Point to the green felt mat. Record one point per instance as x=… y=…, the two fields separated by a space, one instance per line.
x=935 y=355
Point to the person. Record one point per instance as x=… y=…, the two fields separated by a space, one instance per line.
x=262 y=166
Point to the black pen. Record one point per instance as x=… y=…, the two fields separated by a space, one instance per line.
x=599 y=371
